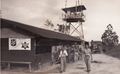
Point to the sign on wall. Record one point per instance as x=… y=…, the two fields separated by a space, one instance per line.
x=19 y=44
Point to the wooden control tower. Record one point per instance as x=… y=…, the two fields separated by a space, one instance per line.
x=74 y=16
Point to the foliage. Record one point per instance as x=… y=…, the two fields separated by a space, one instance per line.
x=49 y=23
x=110 y=38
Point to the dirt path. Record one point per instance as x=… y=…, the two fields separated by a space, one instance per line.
x=102 y=64
x=106 y=65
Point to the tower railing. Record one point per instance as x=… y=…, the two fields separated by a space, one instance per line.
x=76 y=16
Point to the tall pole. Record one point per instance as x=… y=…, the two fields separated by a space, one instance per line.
x=82 y=30
x=65 y=3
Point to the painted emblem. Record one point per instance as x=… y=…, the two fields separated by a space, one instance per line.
x=13 y=42
x=25 y=45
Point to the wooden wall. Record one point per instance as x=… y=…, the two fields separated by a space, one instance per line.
x=16 y=55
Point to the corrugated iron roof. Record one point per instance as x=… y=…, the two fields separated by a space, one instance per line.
x=10 y=33
x=37 y=31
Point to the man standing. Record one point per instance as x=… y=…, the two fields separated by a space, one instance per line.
x=62 y=56
x=53 y=52
x=87 y=57
x=81 y=49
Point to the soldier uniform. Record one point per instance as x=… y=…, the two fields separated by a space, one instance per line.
x=87 y=57
x=62 y=56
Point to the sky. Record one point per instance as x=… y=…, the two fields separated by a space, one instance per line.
x=99 y=14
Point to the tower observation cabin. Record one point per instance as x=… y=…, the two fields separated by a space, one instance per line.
x=74 y=14
x=74 y=17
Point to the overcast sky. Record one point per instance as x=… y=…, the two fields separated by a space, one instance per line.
x=99 y=14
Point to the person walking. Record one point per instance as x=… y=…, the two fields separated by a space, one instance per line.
x=53 y=52
x=81 y=49
x=62 y=56
x=87 y=56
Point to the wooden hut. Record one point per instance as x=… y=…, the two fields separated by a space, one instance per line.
x=25 y=44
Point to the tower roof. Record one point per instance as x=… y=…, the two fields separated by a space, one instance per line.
x=74 y=8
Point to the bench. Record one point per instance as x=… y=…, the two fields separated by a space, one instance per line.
x=9 y=62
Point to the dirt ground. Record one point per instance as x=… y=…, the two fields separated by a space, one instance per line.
x=101 y=64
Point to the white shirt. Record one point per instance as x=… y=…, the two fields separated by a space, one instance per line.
x=63 y=53
x=53 y=49
x=87 y=52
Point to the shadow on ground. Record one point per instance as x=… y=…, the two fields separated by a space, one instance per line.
x=80 y=67
x=55 y=70
x=98 y=62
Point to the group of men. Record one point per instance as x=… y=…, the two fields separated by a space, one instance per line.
x=71 y=53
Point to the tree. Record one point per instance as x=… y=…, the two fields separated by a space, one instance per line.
x=49 y=23
x=110 y=38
